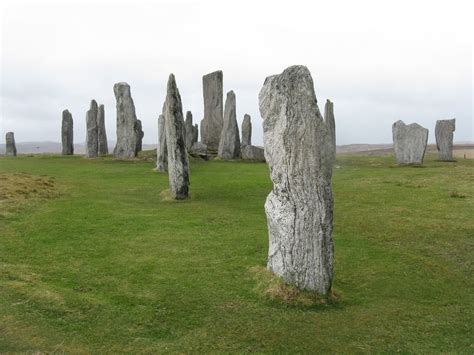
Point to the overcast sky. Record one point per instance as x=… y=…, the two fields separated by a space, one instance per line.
x=379 y=61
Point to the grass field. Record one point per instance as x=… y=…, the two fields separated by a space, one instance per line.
x=94 y=259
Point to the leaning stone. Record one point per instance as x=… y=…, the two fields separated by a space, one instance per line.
x=178 y=166
x=251 y=152
x=102 y=135
x=139 y=133
x=10 y=146
x=211 y=124
x=246 y=131
x=298 y=150
x=67 y=134
x=162 y=150
x=127 y=134
x=92 y=137
x=409 y=142
x=331 y=124
x=444 y=138
x=189 y=130
x=229 y=145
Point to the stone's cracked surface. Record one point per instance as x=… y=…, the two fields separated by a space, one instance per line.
x=178 y=166
x=212 y=123
x=127 y=135
x=246 y=131
x=331 y=124
x=102 y=134
x=10 y=146
x=251 y=152
x=298 y=150
x=139 y=133
x=92 y=137
x=229 y=145
x=67 y=134
x=444 y=138
x=409 y=142
x=189 y=130
x=162 y=150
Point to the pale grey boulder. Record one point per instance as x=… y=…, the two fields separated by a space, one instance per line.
x=139 y=133
x=331 y=124
x=251 y=152
x=162 y=150
x=409 y=142
x=67 y=133
x=189 y=130
x=246 y=131
x=298 y=150
x=229 y=144
x=127 y=134
x=199 y=150
x=92 y=135
x=10 y=145
x=102 y=133
x=212 y=123
x=178 y=165
x=444 y=138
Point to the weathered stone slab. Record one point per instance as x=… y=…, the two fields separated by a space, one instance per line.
x=251 y=152
x=92 y=137
x=189 y=130
x=298 y=150
x=211 y=124
x=102 y=133
x=10 y=146
x=199 y=150
x=409 y=142
x=162 y=150
x=331 y=124
x=246 y=131
x=195 y=133
x=67 y=134
x=229 y=145
x=139 y=133
x=178 y=166
x=444 y=138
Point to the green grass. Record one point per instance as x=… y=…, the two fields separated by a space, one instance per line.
x=108 y=265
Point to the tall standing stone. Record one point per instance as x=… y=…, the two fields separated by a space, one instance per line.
x=102 y=135
x=127 y=134
x=229 y=145
x=331 y=124
x=195 y=133
x=189 y=130
x=300 y=207
x=139 y=133
x=409 y=142
x=162 y=150
x=67 y=134
x=444 y=138
x=211 y=125
x=92 y=137
x=178 y=166
x=10 y=146
x=246 y=131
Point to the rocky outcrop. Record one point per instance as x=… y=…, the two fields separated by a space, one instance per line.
x=127 y=134
x=246 y=131
x=251 y=152
x=102 y=134
x=409 y=142
x=331 y=124
x=298 y=150
x=444 y=138
x=92 y=137
x=139 y=133
x=178 y=166
x=162 y=150
x=67 y=134
x=211 y=124
x=10 y=146
x=229 y=144
x=189 y=130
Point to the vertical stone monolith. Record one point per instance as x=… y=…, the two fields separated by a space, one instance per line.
x=189 y=130
x=140 y=134
x=10 y=146
x=178 y=166
x=246 y=131
x=67 y=134
x=409 y=142
x=299 y=209
x=444 y=138
x=92 y=136
x=102 y=134
x=331 y=124
x=162 y=150
x=229 y=144
x=211 y=124
x=195 y=133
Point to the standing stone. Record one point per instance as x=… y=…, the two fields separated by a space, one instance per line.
x=229 y=145
x=246 y=131
x=444 y=138
x=139 y=133
x=251 y=152
x=102 y=136
x=189 y=130
x=178 y=166
x=409 y=142
x=92 y=137
x=211 y=125
x=127 y=134
x=300 y=207
x=331 y=124
x=10 y=146
x=195 y=133
x=162 y=150
x=67 y=135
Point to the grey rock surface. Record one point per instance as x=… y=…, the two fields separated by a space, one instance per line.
x=67 y=134
x=178 y=165
x=444 y=138
x=195 y=133
x=251 y=152
x=139 y=133
x=102 y=134
x=409 y=142
x=246 y=131
x=229 y=144
x=92 y=136
x=127 y=134
x=331 y=124
x=298 y=150
x=189 y=130
x=211 y=124
x=10 y=146
x=162 y=150
x=199 y=149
